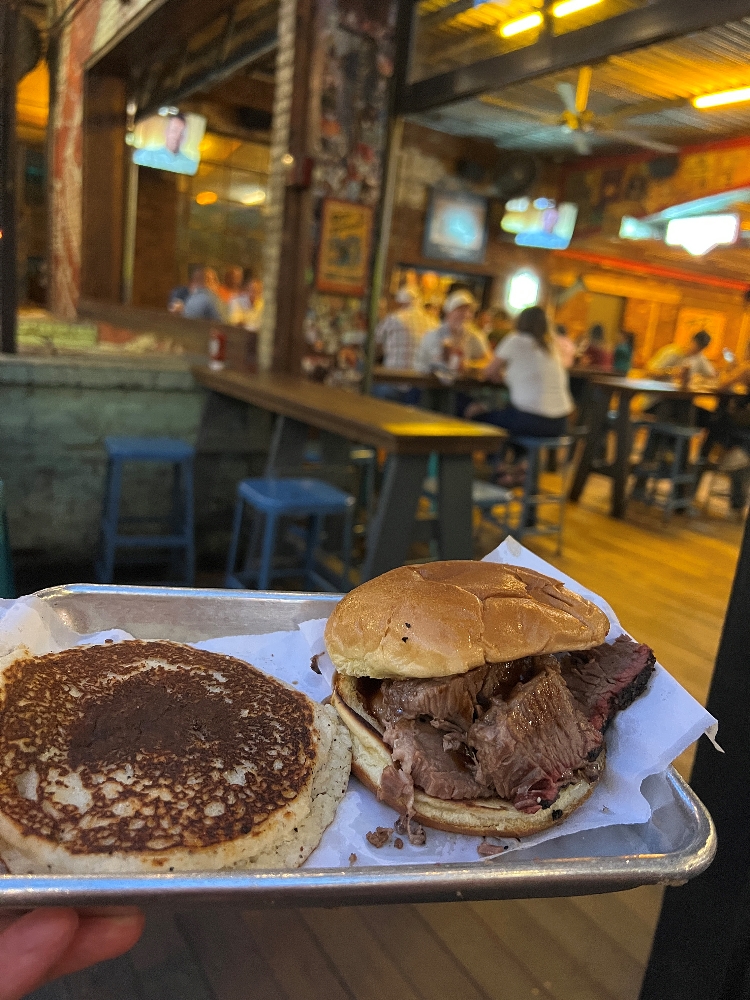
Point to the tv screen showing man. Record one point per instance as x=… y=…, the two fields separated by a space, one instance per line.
x=169 y=142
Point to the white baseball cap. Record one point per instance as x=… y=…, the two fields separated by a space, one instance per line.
x=458 y=299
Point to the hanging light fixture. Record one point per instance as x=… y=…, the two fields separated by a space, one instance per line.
x=566 y=7
x=521 y=24
x=702 y=233
x=722 y=97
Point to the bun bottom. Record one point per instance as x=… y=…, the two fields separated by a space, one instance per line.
x=476 y=817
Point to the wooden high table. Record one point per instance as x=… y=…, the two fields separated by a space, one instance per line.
x=409 y=435
x=602 y=388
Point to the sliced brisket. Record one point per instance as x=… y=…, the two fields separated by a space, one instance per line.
x=531 y=745
x=455 y=700
x=445 y=773
x=607 y=678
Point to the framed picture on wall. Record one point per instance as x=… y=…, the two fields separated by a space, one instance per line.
x=344 y=253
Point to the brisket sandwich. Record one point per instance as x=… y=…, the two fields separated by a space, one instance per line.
x=157 y=757
x=477 y=694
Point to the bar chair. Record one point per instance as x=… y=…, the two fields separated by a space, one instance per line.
x=271 y=497
x=178 y=535
x=523 y=509
x=666 y=457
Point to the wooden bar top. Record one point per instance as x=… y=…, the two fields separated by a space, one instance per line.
x=634 y=385
x=427 y=380
x=399 y=429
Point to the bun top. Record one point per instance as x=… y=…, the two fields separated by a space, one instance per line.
x=445 y=618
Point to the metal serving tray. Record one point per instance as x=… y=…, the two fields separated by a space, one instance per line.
x=678 y=843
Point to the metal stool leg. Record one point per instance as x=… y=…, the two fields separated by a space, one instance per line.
x=109 y=526
x=266 y=557
x=346 y=555
x=672 y=497
x=530 y=489
x=189 y=522
x=313 y=538
x=229 y=579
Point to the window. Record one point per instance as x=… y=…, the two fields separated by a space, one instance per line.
x=523 y=291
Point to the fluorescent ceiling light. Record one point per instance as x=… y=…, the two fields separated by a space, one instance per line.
x=521 y=24
x=723 y=97
x=572 y=7
x=702 y=233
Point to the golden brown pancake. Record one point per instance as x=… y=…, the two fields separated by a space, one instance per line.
x=139 y=756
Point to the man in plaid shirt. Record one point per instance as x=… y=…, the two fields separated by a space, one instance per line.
x=398 y=335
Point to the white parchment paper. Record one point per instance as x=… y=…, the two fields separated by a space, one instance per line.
x=642 y=741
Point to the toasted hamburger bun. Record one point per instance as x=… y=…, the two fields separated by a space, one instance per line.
x=157 y=757
x=477 y=817
x=445 y=618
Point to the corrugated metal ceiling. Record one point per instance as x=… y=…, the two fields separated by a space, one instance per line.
x=646 y=91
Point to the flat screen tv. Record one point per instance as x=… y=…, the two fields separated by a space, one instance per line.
x=456 y=227
x=169 y=141
x=540 y=223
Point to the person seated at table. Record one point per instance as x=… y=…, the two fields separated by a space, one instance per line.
x=528 y=363
x=494 y=324
x=596 y=354
x=672 y=360
x=246 y=308
x=398 y=341
x=622 y=360
x=201 y=302
x=455 y=346
x=566 y=346
x=231 y=286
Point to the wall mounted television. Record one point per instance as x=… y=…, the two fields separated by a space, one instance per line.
x=456 y=227
x=168 y=140
x=541 y=222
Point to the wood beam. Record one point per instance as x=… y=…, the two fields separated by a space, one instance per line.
x=8 y=176
x=643 y=26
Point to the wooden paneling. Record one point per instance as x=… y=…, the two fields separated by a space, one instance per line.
x=155 y=271
x=104 y=152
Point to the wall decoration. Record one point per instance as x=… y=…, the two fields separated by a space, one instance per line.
x=344 y=253
x=632 y=185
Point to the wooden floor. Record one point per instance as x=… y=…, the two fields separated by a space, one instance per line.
x=670 y=588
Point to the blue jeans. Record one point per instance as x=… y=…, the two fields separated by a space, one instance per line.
x=522 y=424
x=397 y=393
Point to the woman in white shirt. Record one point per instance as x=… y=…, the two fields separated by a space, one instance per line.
x=528 y=363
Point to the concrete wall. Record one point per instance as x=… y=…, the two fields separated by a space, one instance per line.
x=54 y=416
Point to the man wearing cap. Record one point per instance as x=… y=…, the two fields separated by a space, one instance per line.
x=454 y=346
x=398 y=337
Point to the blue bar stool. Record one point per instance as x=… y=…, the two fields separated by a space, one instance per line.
x=532 y=498
x=7 y=586
x=276 y=498
x=180 y=528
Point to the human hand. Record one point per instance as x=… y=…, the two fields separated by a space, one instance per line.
x=47 y=943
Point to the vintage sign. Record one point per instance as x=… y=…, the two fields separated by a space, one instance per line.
x=344 y=255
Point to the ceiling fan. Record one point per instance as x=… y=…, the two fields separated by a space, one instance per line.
x=580 y=122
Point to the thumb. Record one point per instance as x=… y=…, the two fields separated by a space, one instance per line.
x=31 y=946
